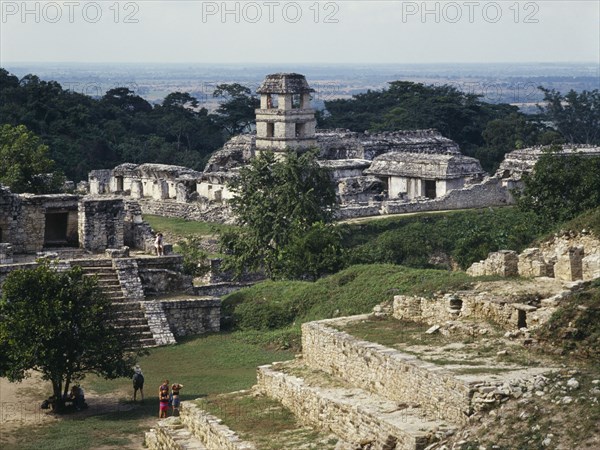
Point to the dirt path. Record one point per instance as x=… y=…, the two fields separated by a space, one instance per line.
x=20 y=408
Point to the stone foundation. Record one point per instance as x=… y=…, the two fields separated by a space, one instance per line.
x=351 y=414
x=192 y=316
x=210 y=430
x=394 y=375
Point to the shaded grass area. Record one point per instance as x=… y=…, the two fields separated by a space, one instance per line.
x=204 y=365
x=264 y=422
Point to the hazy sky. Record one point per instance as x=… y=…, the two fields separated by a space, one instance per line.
x=300 y=32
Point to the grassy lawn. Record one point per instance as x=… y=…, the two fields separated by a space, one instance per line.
x=204 y=365
x=182 y=227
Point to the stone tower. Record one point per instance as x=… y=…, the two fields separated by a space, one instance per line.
x=285 y=119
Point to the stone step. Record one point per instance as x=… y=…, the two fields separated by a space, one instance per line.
x=169 y=434
x=103 y=276
x=126 y=306
x=395 y=375
x=353 y=414
x=93 y=264
x=130 y=321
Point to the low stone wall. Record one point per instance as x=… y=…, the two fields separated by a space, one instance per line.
x=163 y=275
x=158 y=322
x=347 y=417
x=131 y=284
x=504 y=263
x=192 y=316
x=480 y=307
x=170 y=436
x=390 y=373
x=219 y=289
x=211 y=430
x=200 y=211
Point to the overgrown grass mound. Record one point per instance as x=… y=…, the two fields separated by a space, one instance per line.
x=456 y=238
x=575 y=326
x=272 y=305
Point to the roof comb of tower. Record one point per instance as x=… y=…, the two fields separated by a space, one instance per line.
x=284 y=83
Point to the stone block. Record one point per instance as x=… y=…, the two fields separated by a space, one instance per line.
x=569 y=264
x=591 y=266
x=532 y=264
x=122 y=252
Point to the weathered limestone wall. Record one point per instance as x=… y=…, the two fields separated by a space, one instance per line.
x=211 y=430
x=192 y=316
x=567 y=257
x=463 y=305
x=158 y=322
x=6 y=253
x=346 y=419
x=131 y=284
x=489 y=193
x=101 y=224
x=390 y=373
x=137 y=233
x=201 y=211
x=504 y=263
x=163 y=275
x=171 y=437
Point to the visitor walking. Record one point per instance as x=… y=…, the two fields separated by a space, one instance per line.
x=138 y=382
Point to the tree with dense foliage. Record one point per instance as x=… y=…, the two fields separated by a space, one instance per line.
x=284 y=207
x=85 y=133
x=460 y=116
x=575 y=115
x=61 y=325
x=24 y=162
x=237 y=112
x=561 y=186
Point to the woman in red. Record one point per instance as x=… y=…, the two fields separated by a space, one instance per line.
x=163 y=397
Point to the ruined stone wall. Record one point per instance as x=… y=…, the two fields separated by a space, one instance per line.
x=158 y=322
x=459 y=306
x=320 y=408
x=390 y=373
x=489 y=193
x=200 y=211
x=211 y=430
x=193 y=316
x=137 y=233
x=567 y=257
x=163 y=275
x=101 y=224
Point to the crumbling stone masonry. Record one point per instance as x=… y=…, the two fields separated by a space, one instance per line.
x=101 y=223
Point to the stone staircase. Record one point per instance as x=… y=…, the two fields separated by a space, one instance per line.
x=130 y=312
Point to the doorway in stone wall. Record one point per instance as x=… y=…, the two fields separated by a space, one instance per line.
x=430 y=191
x=61 y=229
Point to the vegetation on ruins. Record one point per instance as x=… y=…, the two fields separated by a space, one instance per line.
x=447 y=241
x=561 y=186
x=195 y=260
x=284 y=208
x=61 y=325
x=24 y=162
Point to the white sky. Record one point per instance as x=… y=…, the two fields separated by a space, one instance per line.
x=300 y=32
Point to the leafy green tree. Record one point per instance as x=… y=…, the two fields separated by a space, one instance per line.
x=237 y=112
x=24 y=162
x=575 y=115
x=278 y=203
x=125 y=99
x=61 y=325
x=195 y=258
x=561 y=186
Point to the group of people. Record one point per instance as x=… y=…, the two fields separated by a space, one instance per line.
x=168 y=395
x=167 y=398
